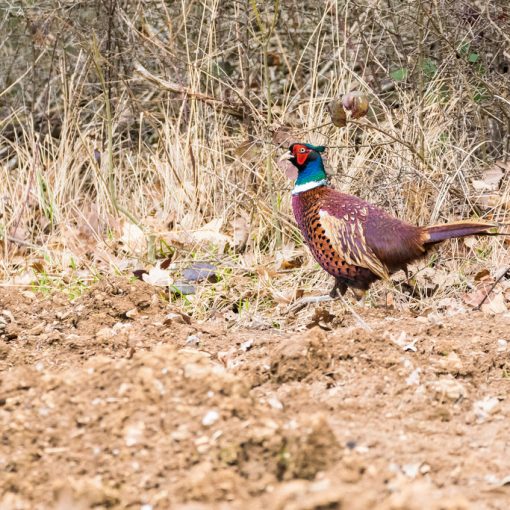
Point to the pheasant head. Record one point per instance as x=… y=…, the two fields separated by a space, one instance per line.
x=308 y=161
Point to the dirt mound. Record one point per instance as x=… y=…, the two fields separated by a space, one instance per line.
x=120 y=400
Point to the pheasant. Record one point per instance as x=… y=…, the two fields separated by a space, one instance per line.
x=353 y=240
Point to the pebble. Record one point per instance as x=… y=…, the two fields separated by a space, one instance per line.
x=132 y=313
x=193 y=340
x=484 y=408
x=447 y=388
x=133 y=433
x=210 y=418
x=411 y=470
x=414 y=377
x=246 y=346
x=175 y=317
x=105 y=333
x=275 y=403
x=8 y=314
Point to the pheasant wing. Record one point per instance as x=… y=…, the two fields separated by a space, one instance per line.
x=347 y=235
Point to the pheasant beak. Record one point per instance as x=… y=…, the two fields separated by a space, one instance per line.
x=288 y=155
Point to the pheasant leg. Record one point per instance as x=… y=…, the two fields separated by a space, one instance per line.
x=339 y=289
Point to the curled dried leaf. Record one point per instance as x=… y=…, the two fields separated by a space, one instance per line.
x=337 y=112
x=284 y=136
x=491 y=178
x=356 y=103
x=248 y=150
x=288 y=169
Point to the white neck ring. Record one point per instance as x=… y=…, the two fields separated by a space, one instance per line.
x=300 y=188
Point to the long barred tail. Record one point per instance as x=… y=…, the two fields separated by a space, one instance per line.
x=438 y=233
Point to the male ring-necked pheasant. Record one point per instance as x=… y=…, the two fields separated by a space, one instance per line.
x=353 y=240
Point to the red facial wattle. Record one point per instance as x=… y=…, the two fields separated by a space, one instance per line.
x=301 y=158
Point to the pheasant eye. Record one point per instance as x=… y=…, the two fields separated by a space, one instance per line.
x=302 y=150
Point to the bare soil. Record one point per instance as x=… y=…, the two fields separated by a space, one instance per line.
x=119 y=400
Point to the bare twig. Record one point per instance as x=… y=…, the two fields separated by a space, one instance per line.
x=489 y=292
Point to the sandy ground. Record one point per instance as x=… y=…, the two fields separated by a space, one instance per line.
x=118 y=400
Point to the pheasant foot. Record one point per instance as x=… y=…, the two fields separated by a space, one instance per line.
x=305 y=301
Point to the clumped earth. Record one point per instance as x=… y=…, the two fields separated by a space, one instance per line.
x=120 y=400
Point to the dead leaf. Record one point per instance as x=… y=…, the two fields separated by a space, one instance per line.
x=357 y=103
x=286 y=297
x=133 y=238
x=165 y=263
x=138 y=273
x=495 y=304
x=158 y=277
x=474 y=298
x=491 y=177
x=182 y=289
x=38 y=266
x=288 y=169
x=492 y=201
x=470 y=242
x=241 y=227
x=285 y=136
x=288 y=257
x=482 y=275
x=337 y=112
x=321 y=318
x=445 y=278
x=210 y=233
x=248 y=151
x=199 y=272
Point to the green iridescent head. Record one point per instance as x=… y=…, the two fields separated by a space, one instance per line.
x=307 y=159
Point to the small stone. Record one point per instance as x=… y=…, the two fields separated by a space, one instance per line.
x=181 y=434
x=202 y=444
x=193 y=340
x=411 y=470
x=424 y=469
x=275 y=403
x=63 y=314
x=8 y=315
x=484 y=408
x=414 y=377
x=450 y=364
x=448 y=389
x=124 y=388
x=198 y=370
x=130 y=314
x=133 y=433
x=210 y=418
x=105 y=333
x=178 y=318
x=28 y=294
x=502 y=345
x=246 y=346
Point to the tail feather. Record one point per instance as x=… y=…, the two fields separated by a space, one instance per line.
x=438 y=233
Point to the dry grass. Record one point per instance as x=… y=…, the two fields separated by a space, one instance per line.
x=90 y=142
